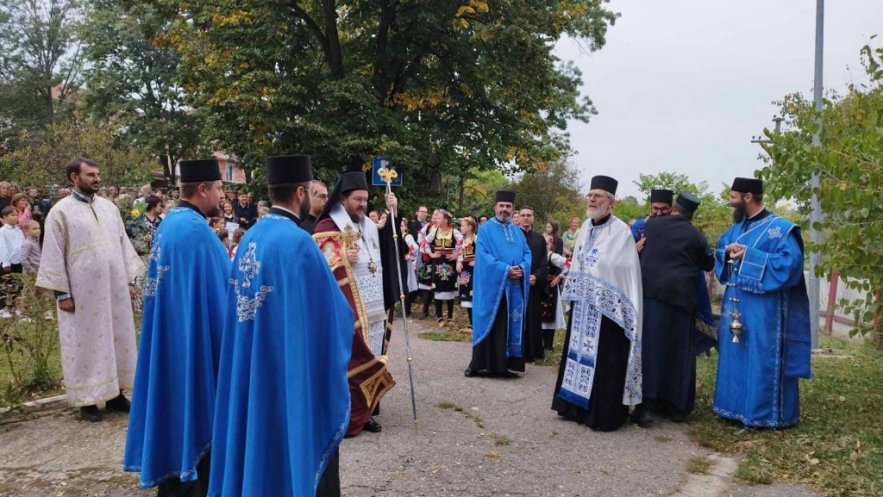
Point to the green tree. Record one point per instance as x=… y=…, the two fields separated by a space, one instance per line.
x=554 y=191
x=40 y=155
x=132 y=80
x=40 y=62
x=849 y=162
x=428 y=84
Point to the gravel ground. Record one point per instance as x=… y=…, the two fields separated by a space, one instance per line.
x=475 y=437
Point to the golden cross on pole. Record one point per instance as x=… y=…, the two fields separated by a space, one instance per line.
x=387 y=174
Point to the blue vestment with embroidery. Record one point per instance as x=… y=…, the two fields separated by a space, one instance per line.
x=757 y=378
x=499 y=247
x=185 y=294
x=283 y=402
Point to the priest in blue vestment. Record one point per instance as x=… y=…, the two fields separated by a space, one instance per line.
x=283 y=397
x=185 y=295
x=764 y=334
x=500 y=293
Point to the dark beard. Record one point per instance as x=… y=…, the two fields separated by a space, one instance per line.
x=304 y=210
x=213 y=212
x=88 y=190
x=739 y=212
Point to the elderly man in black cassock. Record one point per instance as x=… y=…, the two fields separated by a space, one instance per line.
x=532 y=337
x=673 y=253
x=599 y=378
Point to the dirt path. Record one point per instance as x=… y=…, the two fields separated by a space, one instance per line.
x=476 y=437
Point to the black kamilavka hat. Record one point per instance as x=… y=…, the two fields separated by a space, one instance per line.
x=605 y=183
x=661 y=195
x=505 y=196
x=747 y=185
x=289 y=169
x=199 y=170
x=688 y=202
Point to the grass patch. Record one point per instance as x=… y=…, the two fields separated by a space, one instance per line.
x=554 y=359
x=698 y=465
x=838 y=445
x=445 y=336
x=475 y=418
x=501 y=441
x=449 y=405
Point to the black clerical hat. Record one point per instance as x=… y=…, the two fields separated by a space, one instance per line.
x=199 y=170
x=353 y=180
x=747 y=185
x=605 y=183
x=288 y=169
x=688 y=202
x=505 y=196
x=661 y=195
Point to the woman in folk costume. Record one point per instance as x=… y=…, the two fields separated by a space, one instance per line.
x=553 y=310
x=413 y=248
x=466 y=266
x=424 y=264
x=442 y=242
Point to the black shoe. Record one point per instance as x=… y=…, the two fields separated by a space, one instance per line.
x=677 y=416
x=469 y=373
x=118 y=403
x=373 y=426
x=91 y=413
x=642 y=417
x=509 y=374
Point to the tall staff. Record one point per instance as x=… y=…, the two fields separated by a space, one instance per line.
x=388 y=174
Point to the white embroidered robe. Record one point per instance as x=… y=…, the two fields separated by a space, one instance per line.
x=87 y=254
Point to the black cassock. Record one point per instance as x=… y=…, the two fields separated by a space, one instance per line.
x=673 y=254
x=490 y=354
x=532 y=335
x=606 y=411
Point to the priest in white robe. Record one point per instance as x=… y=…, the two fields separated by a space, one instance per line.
x=90 y=264
x=599 y=379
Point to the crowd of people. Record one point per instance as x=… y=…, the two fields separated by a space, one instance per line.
x=259 y=351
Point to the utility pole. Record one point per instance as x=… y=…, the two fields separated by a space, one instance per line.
x=766 y=141
x=816 y=215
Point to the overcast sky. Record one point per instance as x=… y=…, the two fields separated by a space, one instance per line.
x=683 y=85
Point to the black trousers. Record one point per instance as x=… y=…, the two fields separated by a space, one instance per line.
x=196 y=488
x=329 y=485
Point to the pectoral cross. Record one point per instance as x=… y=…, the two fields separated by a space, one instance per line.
x=349 y=237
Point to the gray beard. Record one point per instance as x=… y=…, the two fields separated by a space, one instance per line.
x=595 y=213
x=502 y=218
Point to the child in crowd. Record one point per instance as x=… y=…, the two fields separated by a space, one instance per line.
x=237 y=235
x=11 y=239
x=30 y=248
